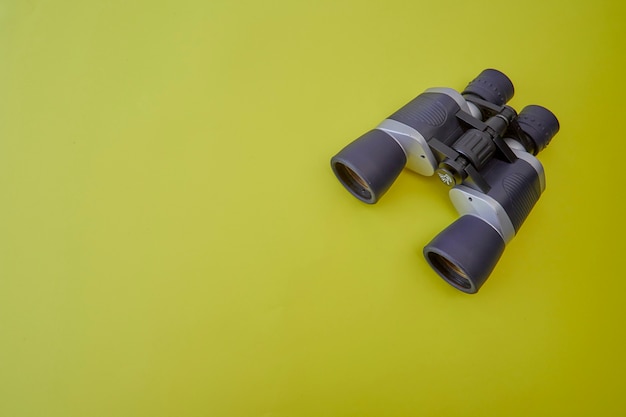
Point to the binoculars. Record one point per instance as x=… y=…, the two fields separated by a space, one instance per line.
x=479 y=147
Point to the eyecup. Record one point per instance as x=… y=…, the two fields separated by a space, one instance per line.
x=540 y=124
x=493 y=86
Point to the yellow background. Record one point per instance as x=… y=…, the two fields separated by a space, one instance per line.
x=174 y=243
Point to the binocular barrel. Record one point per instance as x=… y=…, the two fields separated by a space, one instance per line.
x=465 y=253
x=476 y=144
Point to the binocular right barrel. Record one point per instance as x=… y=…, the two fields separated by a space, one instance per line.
x=476 y=143
x=466 y=252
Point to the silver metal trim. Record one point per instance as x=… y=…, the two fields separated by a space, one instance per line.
x=469 y=201
x=419 y=157
x=514 y=145
x=475 y=111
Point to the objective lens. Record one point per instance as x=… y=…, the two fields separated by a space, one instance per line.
x=449 y=270
x=369 y=165
x=465 y=253
x=353 y=181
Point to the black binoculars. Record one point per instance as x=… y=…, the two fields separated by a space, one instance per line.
x=477 y=145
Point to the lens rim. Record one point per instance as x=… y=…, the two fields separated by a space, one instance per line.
x=452 y=272
x=353 y=182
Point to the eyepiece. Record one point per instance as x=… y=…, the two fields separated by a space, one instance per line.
x=465 y=253
x=368 y=166
x=491 y=85
x=540 y=124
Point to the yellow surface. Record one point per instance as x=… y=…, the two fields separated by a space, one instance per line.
x=173 y=242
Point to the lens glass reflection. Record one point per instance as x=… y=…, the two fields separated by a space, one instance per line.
x=353 y=181
x=451 y=271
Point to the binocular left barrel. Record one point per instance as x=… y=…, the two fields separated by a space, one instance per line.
x=465 y=253
x=369 y=165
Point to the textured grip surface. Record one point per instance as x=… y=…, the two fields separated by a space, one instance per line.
x=515 y=186
x=477 y=146
x=432 y=115
x=425 y=108
x=522 y=194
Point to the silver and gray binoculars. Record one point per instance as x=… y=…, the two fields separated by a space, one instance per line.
x=477 y=145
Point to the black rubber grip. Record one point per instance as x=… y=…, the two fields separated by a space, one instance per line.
x=540 y=124
x=432 y=115
x=493 y=86
x=515 y=186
